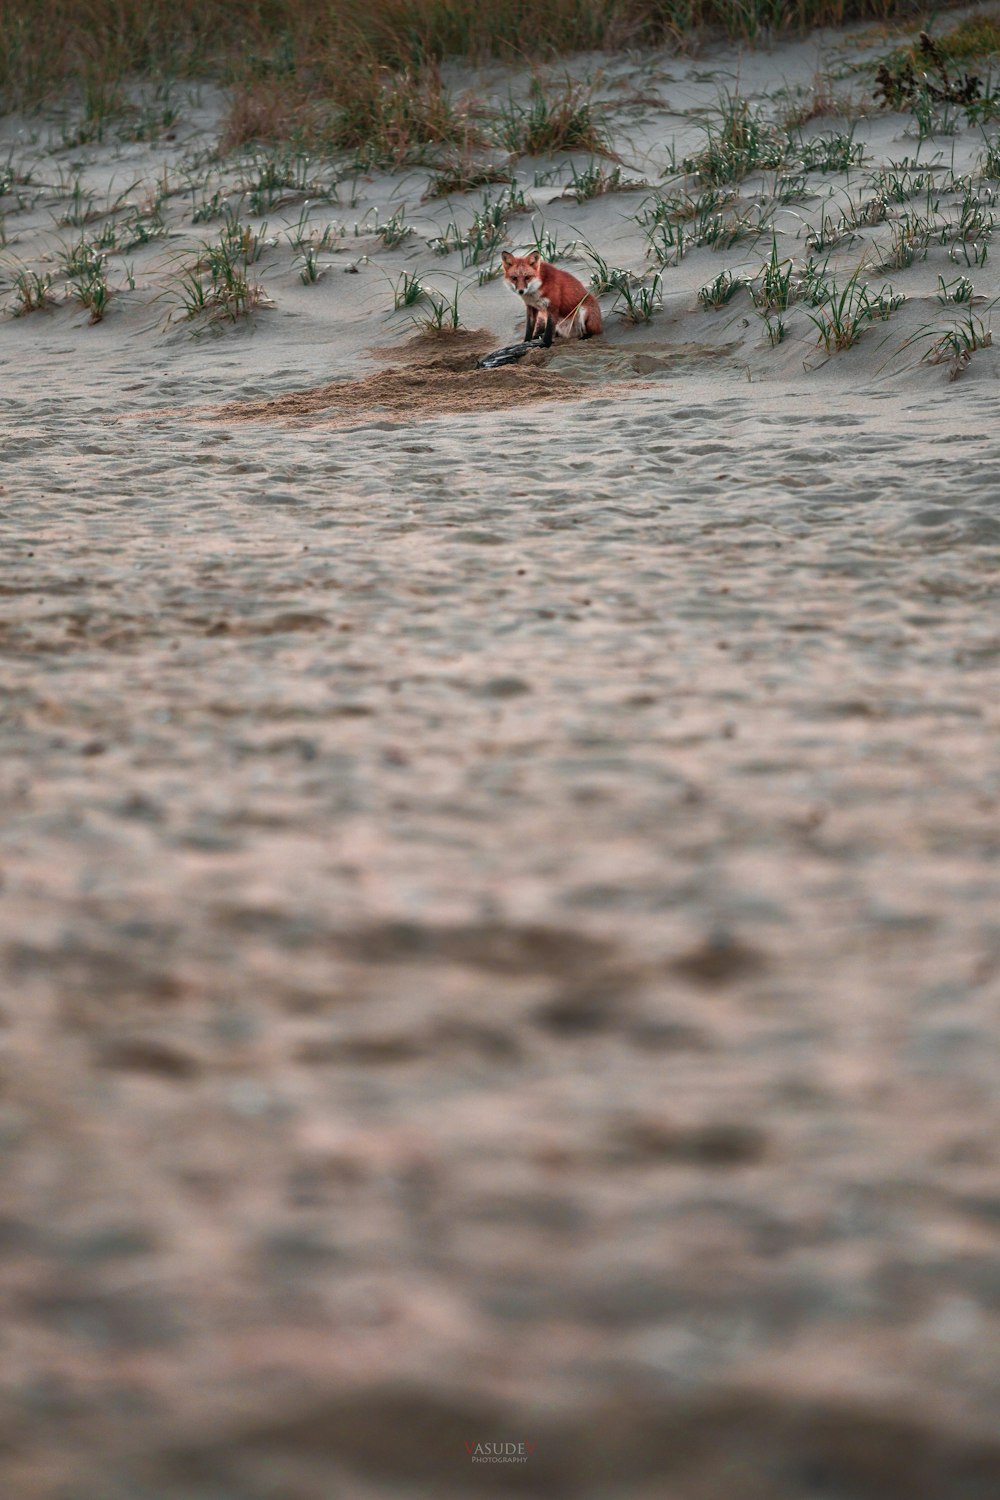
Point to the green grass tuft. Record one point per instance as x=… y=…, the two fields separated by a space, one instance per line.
x=722 y=290
x=738 y=141
x=461 y=173
x=443 y=315
x=32 y=291
x=639 y=303
x=560 y=118
x=956 y=346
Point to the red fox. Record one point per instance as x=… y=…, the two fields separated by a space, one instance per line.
x=555 y=301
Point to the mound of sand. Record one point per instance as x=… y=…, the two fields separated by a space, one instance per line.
x=434 y=375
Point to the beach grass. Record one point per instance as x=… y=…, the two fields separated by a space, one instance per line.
x=637 y=304
x=955 y=346
x=443 y=312
x=722 y=290
x=32 y=291
x=358 y=75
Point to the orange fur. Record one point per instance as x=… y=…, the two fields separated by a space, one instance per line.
x=555 y=301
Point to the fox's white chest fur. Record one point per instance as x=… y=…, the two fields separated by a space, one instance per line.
x=533 y=294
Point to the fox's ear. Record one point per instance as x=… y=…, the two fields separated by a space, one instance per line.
x=534 y=259
x=506 y=257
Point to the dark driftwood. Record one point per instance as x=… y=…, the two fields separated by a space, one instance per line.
x=508 y=354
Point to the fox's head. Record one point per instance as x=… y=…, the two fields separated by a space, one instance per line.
x=522 y=273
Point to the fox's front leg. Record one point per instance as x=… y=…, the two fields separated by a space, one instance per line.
x=530 y=324
x=550 y=328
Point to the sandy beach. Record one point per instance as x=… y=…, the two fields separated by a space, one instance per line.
x=500 y=905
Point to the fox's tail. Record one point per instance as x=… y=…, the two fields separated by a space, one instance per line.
x=580 y=322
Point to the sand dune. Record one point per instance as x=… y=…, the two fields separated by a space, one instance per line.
x=500 y=885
